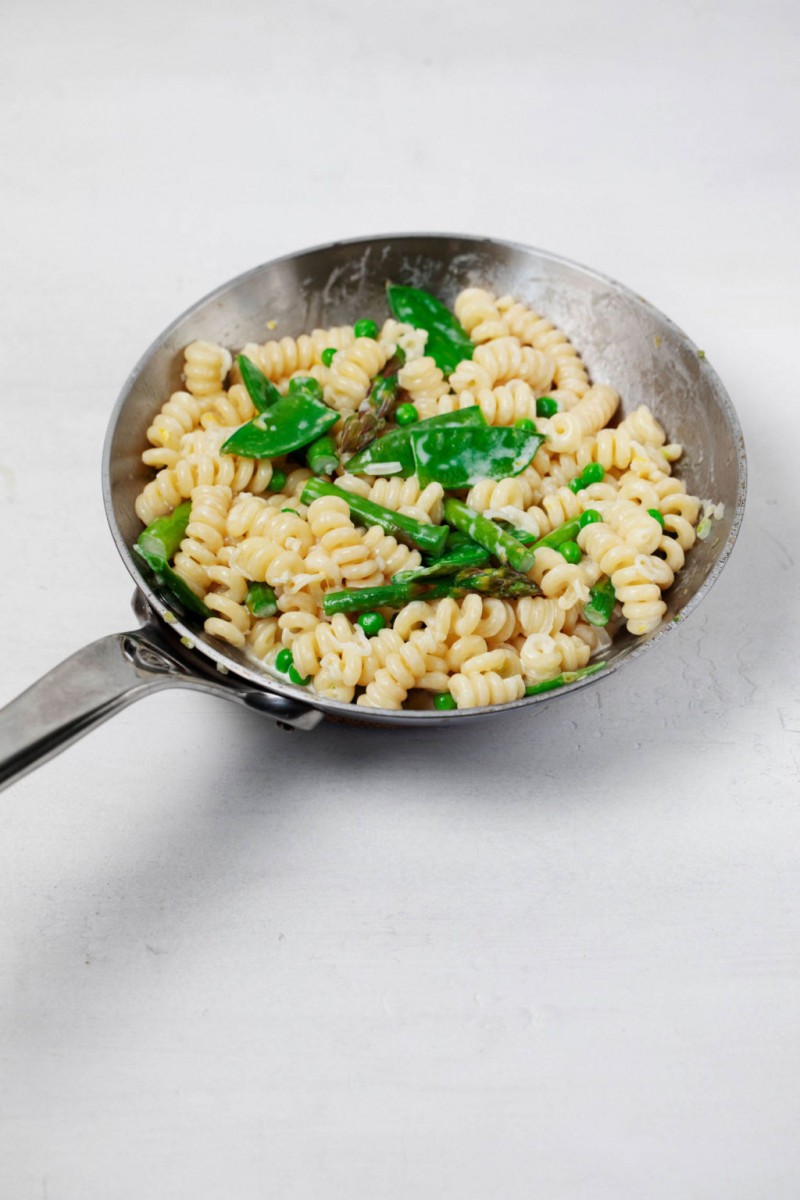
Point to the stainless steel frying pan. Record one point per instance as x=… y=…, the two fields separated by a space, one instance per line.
x=623 y=340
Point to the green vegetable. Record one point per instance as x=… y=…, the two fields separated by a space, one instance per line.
x=170 y=581
x=406 y=414
x=444 y=702
x=372 y=623
x=261 y=600
x=600 y=605
x=383 y=392
x=525 y=423
x=546 y=406
x=394 y=449
x=448 y=342
x=297 y=678
x=362 y=427
x=571 y=551
x=157 y=545
x=487 y=533
x=458 y=458
x=278 y=481
x=295 y=420
x=261 y=390
x=367 y=329
x=506 y=583
x=428 y=538
x=306 y=383
x=322 y=456
x=589 y=517
x=464 y=554
x=568 y=531
x=389 y=595
x=657 y=516
x=326 y=358
x=533 y=689
x=522 y=535
x=595 y=472
x=503 y=582
x=284 y=660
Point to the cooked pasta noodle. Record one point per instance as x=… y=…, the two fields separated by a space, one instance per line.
x=282 y=358
x=206 y=368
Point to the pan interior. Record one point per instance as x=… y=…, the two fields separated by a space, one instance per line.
x=623 y=340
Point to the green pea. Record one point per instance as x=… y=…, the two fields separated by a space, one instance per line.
x=406 y=414
x=283 y=660
x=525 y=423
x=595 y=472
x=589 y=517
x=444 y=701
x=571 y=552
x=326 y=358
x=306 y=383
x=657 y=516
x=365 y=329
x=278 y=481
x=546 y=406
x=288 y=508
x=372 y=623
x=297 y=678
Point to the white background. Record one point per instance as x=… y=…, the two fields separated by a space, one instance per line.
x=552 y=956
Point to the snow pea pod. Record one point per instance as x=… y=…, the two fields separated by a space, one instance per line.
x=394 y=450
x=293 y=421
x=458 y=458
x=262 y=391
x=448 y=342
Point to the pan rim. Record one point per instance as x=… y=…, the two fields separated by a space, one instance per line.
x=257 y=677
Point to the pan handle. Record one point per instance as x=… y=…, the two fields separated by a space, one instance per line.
x=102 y=678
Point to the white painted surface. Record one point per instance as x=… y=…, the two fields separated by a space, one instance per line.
x=557 y=957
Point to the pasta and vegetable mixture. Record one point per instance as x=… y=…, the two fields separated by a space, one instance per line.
x=435 y=512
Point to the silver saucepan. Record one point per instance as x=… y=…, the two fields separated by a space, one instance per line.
x=623 y=340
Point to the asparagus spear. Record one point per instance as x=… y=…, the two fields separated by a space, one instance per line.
x=600 y=605
x=533 y=689
x=361 y=428
x=390 y=595
x=428 y=538
x=503 y=582
x=487 y=533
x=456 y=556
x=322 y=456
x=156 y=546
x=261 y=600
x=568 y=531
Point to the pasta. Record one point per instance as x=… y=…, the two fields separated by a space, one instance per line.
x=254 y=522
